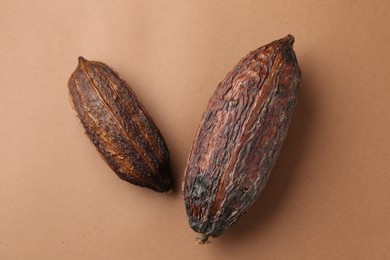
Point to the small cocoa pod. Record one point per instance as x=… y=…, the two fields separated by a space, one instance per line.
x=119 y=126
x=240 y=137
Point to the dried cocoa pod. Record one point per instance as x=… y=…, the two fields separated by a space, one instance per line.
x=240 y=137
x=119 y=126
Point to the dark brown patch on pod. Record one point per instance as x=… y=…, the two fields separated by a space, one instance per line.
x=240 y=137
x=119 y=126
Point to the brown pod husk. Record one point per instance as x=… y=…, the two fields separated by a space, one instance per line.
x=239 y=138
x=119 y=126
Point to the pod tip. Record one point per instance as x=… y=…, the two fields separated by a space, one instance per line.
x=81 y=59
x=290 y=39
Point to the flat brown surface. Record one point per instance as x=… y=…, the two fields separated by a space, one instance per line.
x=328 y=197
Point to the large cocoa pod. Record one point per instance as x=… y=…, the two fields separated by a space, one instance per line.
x=119 y=126
x=240 y=137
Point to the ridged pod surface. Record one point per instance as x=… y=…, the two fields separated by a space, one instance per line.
x=239 y=137
x=119 y=126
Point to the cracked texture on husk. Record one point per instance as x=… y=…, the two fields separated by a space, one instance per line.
x=240 y=137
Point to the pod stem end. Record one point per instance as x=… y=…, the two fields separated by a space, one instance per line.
x=202 y=239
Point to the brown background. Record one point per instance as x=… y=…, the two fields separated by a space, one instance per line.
x=328 y=197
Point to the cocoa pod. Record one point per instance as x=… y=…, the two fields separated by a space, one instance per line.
x=119 y=126
x=239 y=137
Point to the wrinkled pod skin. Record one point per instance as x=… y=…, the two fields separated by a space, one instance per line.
x=119 y=126
x=239 y=138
